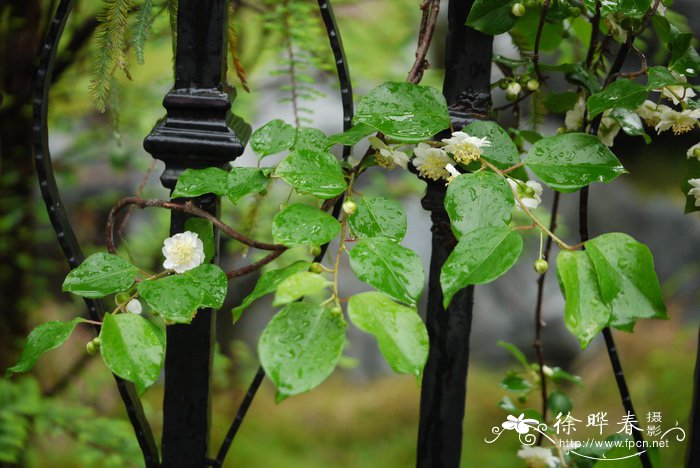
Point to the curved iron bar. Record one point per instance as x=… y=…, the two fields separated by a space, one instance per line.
x=343 y=73
x=59 y=218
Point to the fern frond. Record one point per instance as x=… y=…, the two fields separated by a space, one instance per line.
x=142 y=28
x=110 y=41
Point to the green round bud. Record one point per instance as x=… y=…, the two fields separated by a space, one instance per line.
x=541 y=266
x=511 y=96
x=518 y=10
x=533 y=85
x=91 y=348
x=531 y=4
x=503 y=84
x=316 y=268
x=696 y=153
x=97 y=341
x=349 y=207
x=336 y=310
x=315 y=250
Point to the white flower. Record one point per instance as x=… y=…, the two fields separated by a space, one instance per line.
x=695 y=191
x=680 y=122
x=520 y=424
x=465 y=148
x=574 y=117
x=694 y=151
x=183 y=252
x=677 y=93
x=538 y=457
x=651 y=112
x=386 y=156
x=453 y=173
x=431 y=162
x=608 y=130
x=134 y=306
x=529 y=192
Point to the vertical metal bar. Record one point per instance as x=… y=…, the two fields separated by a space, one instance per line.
x=693 y=451
x=197 y=132
x=466 y=88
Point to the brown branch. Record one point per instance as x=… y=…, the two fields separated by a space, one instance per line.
x=431 y=8
x=255 y=266
x=186 y=207
x=538 y=38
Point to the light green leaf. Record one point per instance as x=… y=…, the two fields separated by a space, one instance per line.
x=133 y=348
x=389 y=267
x=502 y=153
x=627 y=280
x=350 y=137
x=273 y=137
x=244 y=180
x=478 y=200
x=196 y=182
x=99 y=275
x=267 y=284
x=205 y=231
x=298 y=285
x=313 y=172
x=621 y=94
x=571 y=161
x=378 y=217
x=492 y=16
x=400 y=332
x=404 y=111
x=300 y=347
x=480 y=257
x=301 y=224
x=585 y=314
x=43 y=338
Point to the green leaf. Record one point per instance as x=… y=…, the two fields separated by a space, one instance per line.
x=515 y=351
x=575 y=73
x=389 y=267
x=378 y=217
x=404 y=111
x=480 y=257
x=310 y=139
x=560 y=102
x=133 y=348
x=268 y=283
x=313 y=172
x=205 y=230
x=627 y=280
x=684 y=57
x=43 y=338
x=502 y=153
x=659 y=77
x=559 y=375
x=571 y=161
x=196 y=182
x=478 y=200
x=515 y=383
x=301 y=224
x=273 y=137
x=586 y=313
x=300 y=347
x=630 y=123
x=99 y=275
x=692 y=171
x=212 y=283
x=400 y=332
x=350 y=137
x=523 y=37
x=492 y=16
x=244 y=180
x=559 y=402
x=622 y=93
x=298 y=285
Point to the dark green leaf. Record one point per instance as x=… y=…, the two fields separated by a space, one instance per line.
x=267 y=284
x=400 y=332
x=244 y=180
x=196 y=182
x=560 y=102
x=571 y=161
x=273 y=137
x=559 y=402
x=515 y=383
x=133 y=348
x=523 y=37
x=43 y=338
x=350 y=137
x=576 y=73
x=313 y=172
x=303 y=283
x=492 y=16
x=502 y=153
x=481 y=256
x=621 y=94
x=404 y=111
x=627 y=280
x=310 y=139
x=478 y=200
x=660 y=77
x=586 y=313
x=300 y=347
x=212 y=284
x=378 y=217
x=99 y=275
x=205 y=231
x=389 y=267
x=301 y=224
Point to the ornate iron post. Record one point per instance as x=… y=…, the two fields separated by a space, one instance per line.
x=466 y=88
x=199 y=131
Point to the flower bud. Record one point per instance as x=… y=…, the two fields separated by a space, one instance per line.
x=513 y=90
x=349 y=207
x=91 y=347
x=316 y=268
x=533 y=85
x=546 y=370
x=531 y=4
x=315 y=250
x=541 y=266
x=518 y=10
x=97 y=340
x=134 y=307
x=336 y=310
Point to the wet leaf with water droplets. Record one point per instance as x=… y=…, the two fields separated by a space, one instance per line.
x=378 y=217
x=196 y=182
x=502 y=153
x=99 y=275
x=300 y=347
x=298 y=285
x=244 y=180
x=313 y=172
x=301 y=224
x=273 y=137
x=621 y=94
x=400 y=332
